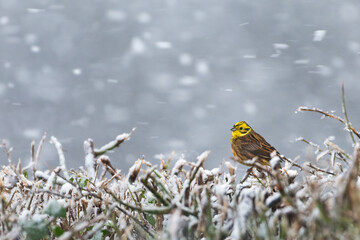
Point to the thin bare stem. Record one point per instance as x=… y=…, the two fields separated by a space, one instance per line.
x=7 y=151
x=305 y=109
x=38 y=150
x=136 y=220
x=154 y=192
x=347 y=123
x=320 y=170
x=292 y=162
x=33 y=158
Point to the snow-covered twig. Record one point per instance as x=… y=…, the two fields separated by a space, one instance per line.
x=351 y=128
x=61 y=155
x=113 y=144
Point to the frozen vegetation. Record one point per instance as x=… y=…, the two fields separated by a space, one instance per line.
x=180 y=199
x=173 y=69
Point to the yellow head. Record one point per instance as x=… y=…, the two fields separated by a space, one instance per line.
x=240 y=129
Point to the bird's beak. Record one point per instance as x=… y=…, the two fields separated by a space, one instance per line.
x=233 y=129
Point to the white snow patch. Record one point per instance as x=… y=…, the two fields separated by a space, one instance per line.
x=243 y=24
x=278 y=49
x=110 y=80
x=250 y=108
x=323 y=70
x=188 y=81
x=349 y=12
x=178 y=165
x=80 y=226
x=221 y=189
x=9 y=177
x=203 y=156
x=281 y=46
x=123 y=136
x=61 y=155
x=185 y=59
x=206 y=174
x=319 y=35
x=244 y=209
x=199 y=15
x=135 y=188
x=274 y=162
x=144 y=17
x=159 y=156
x=354 y=46
x=35 y=49
x=358 y=182
x=7 y=64
x=137 y=46
x=248 y=56
x=174 y=221
x=4 y=20
x=24 y=215
x=202 y=67
x=302 y=61
x=41 y=175
x=163 y=45
x=273 y=198
x=292 y=173
x=135 y=169
x=215 y=171
x=89 y=159
x=147 y=35
x=77 y=71
x=199 y=112
x=35 y=10
x=31 y=38
x=50 y=181
x=115 y=15
x=226 y=89
x=67 y=189
x=2 y=89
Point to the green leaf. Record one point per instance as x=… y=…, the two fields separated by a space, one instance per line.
x=83 y=182
x=53 y=208
x=25 y=174
x=150 y=218
x=151 y=200
x=57 y=230
x=35 y=230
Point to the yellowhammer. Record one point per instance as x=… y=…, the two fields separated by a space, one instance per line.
x=247 y=144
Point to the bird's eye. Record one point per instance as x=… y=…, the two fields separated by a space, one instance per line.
x=241 y=128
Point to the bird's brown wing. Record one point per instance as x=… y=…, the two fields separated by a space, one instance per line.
x=256 y=145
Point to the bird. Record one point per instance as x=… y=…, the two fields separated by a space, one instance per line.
x=246 y=144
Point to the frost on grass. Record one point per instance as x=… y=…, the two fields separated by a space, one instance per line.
x=181 y=199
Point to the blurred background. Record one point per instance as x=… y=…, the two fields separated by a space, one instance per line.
x=182 y=72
